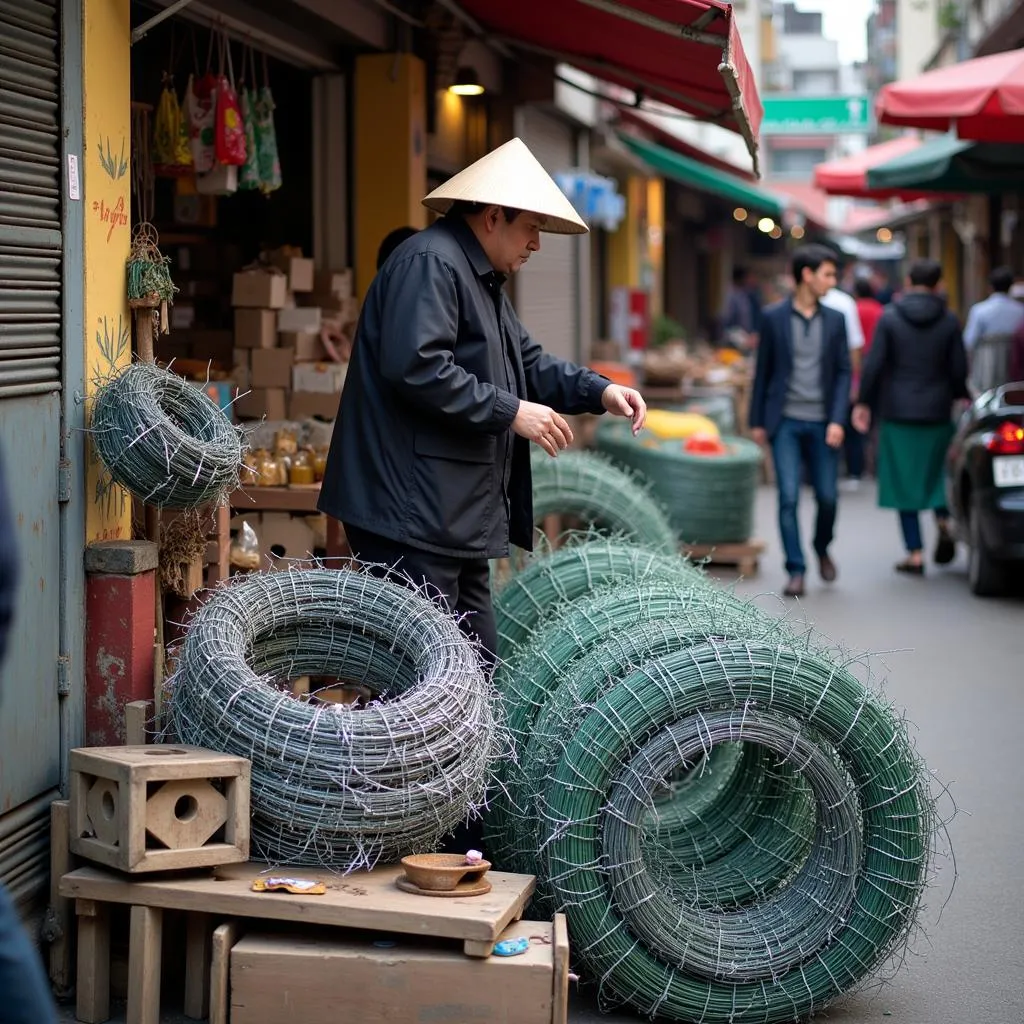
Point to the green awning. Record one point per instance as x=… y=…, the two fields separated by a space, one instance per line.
x=951 y=165
x=705 y=179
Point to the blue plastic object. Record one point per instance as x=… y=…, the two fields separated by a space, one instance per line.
x=511 y=947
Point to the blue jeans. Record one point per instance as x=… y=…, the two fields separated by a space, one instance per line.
x=24 y=991
x=798 y=443
x=910 y=523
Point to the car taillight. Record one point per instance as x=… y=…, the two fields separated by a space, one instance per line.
x=1007 y=440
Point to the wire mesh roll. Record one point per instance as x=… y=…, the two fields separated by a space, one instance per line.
x=709 y=498
x=164 y=440
x=589 y=488
x=333 y=785
x=769 y=694
x=551 y=578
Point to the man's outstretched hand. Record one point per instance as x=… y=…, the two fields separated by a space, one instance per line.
x=543 y=426
x=628 y=402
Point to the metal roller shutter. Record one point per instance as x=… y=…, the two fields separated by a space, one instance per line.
x=30 y=183
x=546 y=288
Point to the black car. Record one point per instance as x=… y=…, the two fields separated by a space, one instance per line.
x=985 y=487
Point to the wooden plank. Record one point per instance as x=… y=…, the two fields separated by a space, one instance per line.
x=93 y=979
x=145 y=939
x=132 y=826
x=745 y=556
x=61 y=914
x=224 y=938
x=137 y=714
x=275 y=499
x=560 y=1012
x=365 y=899
x=198 y=953
x=156 y=762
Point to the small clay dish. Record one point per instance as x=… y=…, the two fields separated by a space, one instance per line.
x=442 y=872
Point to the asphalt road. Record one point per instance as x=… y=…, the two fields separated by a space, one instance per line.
x=956 y=663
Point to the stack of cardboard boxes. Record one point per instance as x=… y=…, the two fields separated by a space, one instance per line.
x=293 y=330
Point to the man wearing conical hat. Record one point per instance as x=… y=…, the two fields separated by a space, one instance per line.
x=429 y=467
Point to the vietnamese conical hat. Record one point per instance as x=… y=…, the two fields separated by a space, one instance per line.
x=510 y=176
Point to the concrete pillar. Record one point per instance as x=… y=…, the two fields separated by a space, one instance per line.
x=120 y=624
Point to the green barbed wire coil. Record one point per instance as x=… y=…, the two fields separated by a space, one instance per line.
x=588 y=487
x=709 y=498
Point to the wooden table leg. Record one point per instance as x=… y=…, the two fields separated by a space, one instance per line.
x=224 y=939
x=93 y=998
x=144 y=965
x=197 y=966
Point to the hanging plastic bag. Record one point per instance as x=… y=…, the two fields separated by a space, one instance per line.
x=172 y=155
x=229 y=137
x=201 y=107
x=266 y=137
x=249 y=174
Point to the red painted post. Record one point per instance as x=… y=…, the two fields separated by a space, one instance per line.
x=120 y=608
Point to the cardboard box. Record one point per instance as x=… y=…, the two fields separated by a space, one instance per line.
x=284 y=537
x=326 y=976
x=260 y=403
x=308 y=346
x=299 y=270
x=255 y=328
x=333 y=282
x=182 y=316
x=271 y=367
x=327 y=378
x=304 y=319
x=259 y=289
x=312 y=405
x=344 y=311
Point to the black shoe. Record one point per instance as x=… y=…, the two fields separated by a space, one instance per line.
x=910 y=568
x=827 y=568
x=795 y=586
x=945 y=548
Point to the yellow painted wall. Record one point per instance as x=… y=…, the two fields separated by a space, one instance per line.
x=106 y=178
x=390 y=153
x=624 y=244
x=655 y=244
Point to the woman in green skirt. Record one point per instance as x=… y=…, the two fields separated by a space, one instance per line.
x=915 y=371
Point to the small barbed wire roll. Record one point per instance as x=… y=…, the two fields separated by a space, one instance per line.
x=558 y=577
x=164 y=440
x=588 y=487
x=332 y=784
x=709 y=498
x=800 y=693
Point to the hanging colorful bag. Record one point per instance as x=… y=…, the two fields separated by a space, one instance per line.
x=172 y=154
x=229 y=138
x=249 y=175
x=266 y=137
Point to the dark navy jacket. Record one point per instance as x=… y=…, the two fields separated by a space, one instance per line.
x=423 y=452
x=775 y=362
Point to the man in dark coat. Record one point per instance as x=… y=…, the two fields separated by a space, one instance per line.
x=800 y=402
x=24 y=992
x=429 y=466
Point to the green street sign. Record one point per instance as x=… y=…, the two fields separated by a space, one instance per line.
x=816 y=115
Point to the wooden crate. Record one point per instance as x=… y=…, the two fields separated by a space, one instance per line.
x=326 y=976
x=154 y=808
x=744 y=557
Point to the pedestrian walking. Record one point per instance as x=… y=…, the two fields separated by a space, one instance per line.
x=24 y=992
x=429 y=464
x=988 y=335
x=915 y=372
x=855 y=444
x=800 y=402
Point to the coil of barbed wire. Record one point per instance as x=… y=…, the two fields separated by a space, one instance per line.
x=331 y=784
x=164 y=440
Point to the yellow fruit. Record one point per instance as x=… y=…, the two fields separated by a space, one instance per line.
x=679 y=425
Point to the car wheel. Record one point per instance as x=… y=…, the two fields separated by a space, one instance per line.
x=985 y=574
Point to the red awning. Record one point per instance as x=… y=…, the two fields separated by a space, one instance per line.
x=685 y=53
x=983 y=99
x=812 y=201
x=848 y=176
